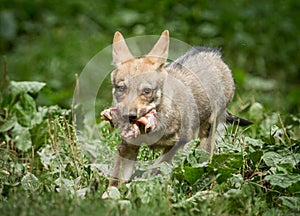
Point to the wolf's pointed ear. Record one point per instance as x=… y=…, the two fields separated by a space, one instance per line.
x=159 y=52
x=120 y=51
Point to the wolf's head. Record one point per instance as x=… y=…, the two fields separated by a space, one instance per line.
x=138 y=82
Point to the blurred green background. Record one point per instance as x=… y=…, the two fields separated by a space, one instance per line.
x=51 y=41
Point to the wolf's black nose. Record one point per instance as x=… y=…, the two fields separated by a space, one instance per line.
x=131 y=117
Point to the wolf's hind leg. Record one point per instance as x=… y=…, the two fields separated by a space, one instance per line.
x=164 y=157
x=205 y=137
x=170 y=151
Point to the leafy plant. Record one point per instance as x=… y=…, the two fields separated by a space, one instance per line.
x=48 y=167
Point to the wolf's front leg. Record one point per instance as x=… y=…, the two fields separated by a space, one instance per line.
x=124 y=163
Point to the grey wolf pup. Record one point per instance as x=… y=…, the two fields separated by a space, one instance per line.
x=166 y=105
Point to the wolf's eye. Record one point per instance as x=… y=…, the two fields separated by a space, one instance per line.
x=147 y=91
x=121 y=88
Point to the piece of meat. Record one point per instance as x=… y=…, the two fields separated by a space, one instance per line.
x=149 y=120
x=111 y=116
x=146 y=123
x=130 y=131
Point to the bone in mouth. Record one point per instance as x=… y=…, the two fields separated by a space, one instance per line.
x=142 y=125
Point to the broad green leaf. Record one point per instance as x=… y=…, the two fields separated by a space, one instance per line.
x=32 y=87
x=9 y=124
x=272 y=158
x=192 y=174
x=297 y=157
x=291 y=159
x=30 y=182
x=25 y=110
x=285 y=168
x=226 y=164
x=291 y=202
x=201 y=156
x=254 y=142
x=230 y=160
x=255 y=156
x=283 y=180
x=113 y=193
x=236 y=180
x=22 y=137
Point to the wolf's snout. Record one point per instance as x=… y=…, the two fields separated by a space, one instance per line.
x=131 y=116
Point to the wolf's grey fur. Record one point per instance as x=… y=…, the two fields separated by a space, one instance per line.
x=190 y=96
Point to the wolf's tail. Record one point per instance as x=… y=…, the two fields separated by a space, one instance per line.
x=231 y=119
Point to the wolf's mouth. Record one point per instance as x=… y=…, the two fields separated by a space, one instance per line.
x=142 y=125
x=148 y=122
